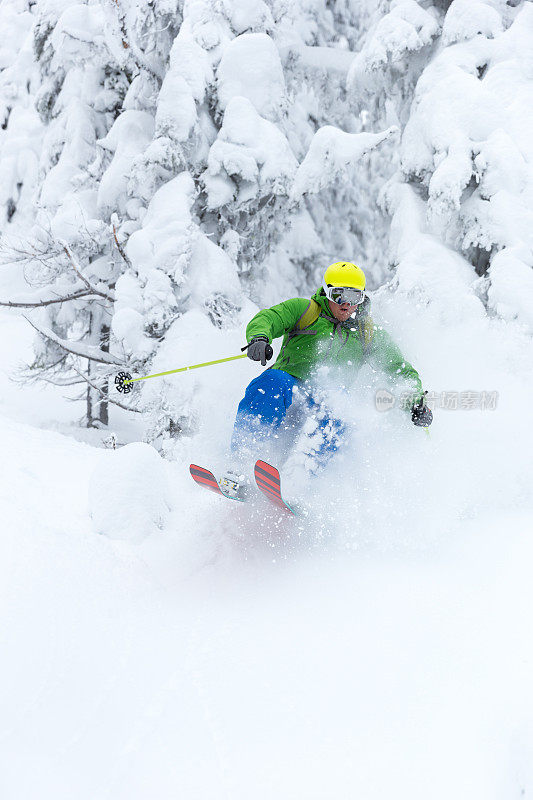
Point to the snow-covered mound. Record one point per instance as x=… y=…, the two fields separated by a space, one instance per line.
x=128 y=493
x=183 y=664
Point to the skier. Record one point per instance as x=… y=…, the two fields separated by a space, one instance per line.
x=332 y=329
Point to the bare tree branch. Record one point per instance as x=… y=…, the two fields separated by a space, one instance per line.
x=16 y=256
x=76 y=348
x=31 y=373
x=65 y=299
x=61 y=383
x=120 y=248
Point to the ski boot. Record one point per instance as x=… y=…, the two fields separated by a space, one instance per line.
x=233 y=483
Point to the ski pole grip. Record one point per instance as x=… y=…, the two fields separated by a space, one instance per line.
x=269 y=352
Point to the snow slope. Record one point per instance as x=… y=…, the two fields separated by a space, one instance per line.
x=158 y=641
x=382 y=649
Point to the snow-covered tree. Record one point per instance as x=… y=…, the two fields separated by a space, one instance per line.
x=20 y=127
x=457 y=78
x=195 y=156
x=87 y=61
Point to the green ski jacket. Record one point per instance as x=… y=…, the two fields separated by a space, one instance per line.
x=313 y=338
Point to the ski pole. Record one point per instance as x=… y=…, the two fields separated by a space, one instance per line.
x=123 y=381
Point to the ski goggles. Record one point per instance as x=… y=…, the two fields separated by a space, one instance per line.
x=344 y=294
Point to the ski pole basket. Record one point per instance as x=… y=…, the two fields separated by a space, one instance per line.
x=123 y=382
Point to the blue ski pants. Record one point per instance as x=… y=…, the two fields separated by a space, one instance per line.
x=263 y=409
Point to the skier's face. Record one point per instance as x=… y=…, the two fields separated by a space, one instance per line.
x=341 y=312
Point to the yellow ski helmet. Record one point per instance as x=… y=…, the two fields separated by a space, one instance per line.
x=344 y=273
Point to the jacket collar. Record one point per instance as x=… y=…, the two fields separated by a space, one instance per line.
x=320 y=298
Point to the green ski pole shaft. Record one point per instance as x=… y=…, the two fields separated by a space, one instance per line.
x=184 y=369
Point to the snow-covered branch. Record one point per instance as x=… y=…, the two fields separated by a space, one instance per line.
x=93 y=353
x=322 y=59
x=129 y=45
x=331 y=153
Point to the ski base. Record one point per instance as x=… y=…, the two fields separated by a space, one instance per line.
x=269 y=483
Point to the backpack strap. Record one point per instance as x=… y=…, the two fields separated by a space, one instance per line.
x=308 y=318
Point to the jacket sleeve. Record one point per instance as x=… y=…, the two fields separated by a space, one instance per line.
x=385 y=353
x=278 y=320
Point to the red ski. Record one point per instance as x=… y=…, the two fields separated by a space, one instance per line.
x=268 y=481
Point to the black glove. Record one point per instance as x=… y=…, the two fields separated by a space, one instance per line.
x=421 y=414
x=259 y=349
